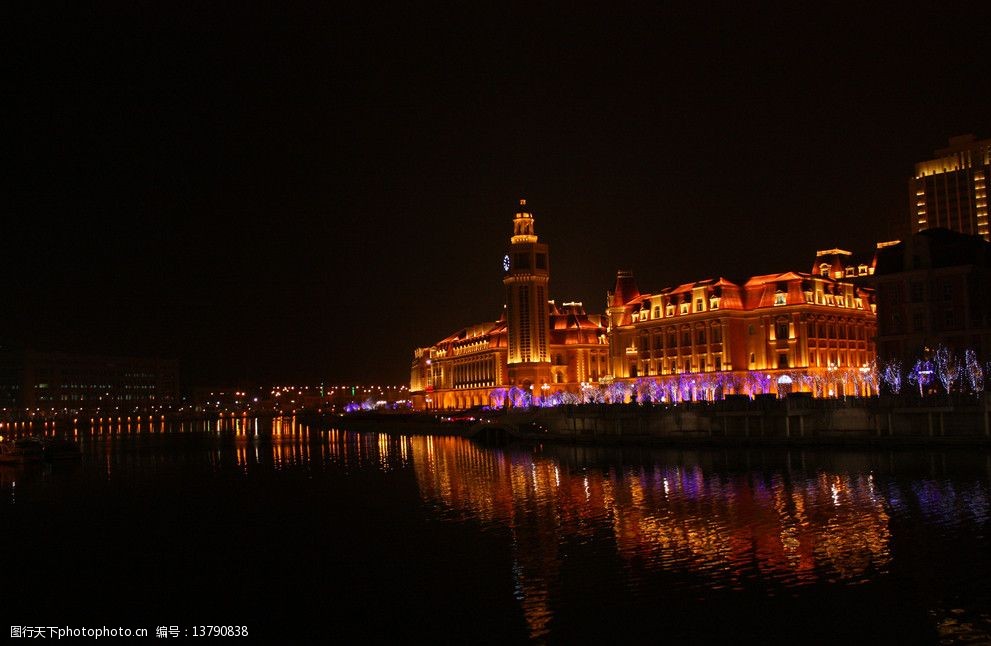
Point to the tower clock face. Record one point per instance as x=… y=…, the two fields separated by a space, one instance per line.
x=505 y=262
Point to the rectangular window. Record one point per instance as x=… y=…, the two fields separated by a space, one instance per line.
x=541 y=261
x=698 y=305
x=700 y=337
x=521 y=261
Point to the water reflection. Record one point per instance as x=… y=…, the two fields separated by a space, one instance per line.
x=655 y=525
x=768 y=527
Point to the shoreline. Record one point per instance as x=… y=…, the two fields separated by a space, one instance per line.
x=869 y=422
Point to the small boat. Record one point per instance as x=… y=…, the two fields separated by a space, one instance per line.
x=22 y=450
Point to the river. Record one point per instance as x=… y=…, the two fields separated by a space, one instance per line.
x=305 y=536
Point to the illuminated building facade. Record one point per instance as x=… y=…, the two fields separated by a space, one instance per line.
x=951 y=191
x=776 y=333
x=934 y=289
x=537 y=346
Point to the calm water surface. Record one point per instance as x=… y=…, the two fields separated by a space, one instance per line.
x=309 y=536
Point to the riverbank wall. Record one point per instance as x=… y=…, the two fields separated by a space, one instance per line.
x=761 y=420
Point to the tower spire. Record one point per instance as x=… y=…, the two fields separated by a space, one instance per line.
x=523 y=225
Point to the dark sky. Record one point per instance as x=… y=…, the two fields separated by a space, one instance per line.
x=307 y=191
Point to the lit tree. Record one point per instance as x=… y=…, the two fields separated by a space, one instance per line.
x=641 y=390
x=707 y=383
x=921 y=375
x=730 y=381
x=618 y=391
x=498 y=397
x=759 y=382
x=592 y=394
x=518 y=398
x=870 y=377
x=973 y=372
x=685 y=383
x=947 y=367
x=654 y=390
x=569 y=398
x=817 y=378
x=891 y=372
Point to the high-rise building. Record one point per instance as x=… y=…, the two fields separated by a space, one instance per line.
x=950 y=191
x=934 y=289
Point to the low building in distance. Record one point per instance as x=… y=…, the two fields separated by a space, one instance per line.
x=61 y=382
x=934 y=289
x=950 y=190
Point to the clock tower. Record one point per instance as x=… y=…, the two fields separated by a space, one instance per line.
x=527 y=272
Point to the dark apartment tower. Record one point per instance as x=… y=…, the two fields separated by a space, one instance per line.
x=950 y=191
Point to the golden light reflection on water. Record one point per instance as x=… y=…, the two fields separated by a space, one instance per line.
x=725 y=531
x=771 y=528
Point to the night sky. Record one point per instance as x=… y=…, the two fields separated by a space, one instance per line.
x=308 y=191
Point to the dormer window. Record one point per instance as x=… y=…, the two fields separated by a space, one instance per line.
x=714 y=303
x=684 y=308
x=824 y=269
x=670 y=310
x=699 y=305
x=779 y=298
x=850 y=271
x=862 y=270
